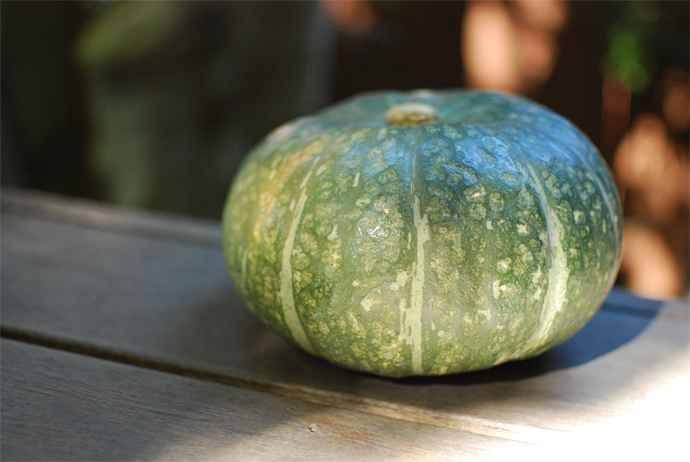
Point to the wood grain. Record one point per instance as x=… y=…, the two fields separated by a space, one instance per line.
x=63 y=406
x=121 y=293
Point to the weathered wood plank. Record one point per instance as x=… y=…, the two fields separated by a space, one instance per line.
x=169 y=304
x=159 y=225
x=63 y=406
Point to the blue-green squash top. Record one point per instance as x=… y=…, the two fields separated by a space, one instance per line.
x=424 y=233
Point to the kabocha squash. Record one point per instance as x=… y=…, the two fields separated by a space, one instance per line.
x=424 y=233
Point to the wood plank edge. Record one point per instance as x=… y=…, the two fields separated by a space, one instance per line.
x=104 y=216
x=476 y=425
x=206 y=233
x=97 y=215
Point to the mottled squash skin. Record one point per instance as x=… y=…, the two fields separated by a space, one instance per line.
x=489 y=234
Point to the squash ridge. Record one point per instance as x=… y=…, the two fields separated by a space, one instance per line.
x=605 y=196
x=286 y=287
x=412 y=319
x=557 y=276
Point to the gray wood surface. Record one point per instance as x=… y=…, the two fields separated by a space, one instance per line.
x=133 y=288
x=63 y=406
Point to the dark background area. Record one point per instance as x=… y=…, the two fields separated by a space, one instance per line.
x=154 y=104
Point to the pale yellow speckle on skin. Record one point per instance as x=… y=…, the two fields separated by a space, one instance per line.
x=400 y=280
x=537 y=275
x=364 y=200
x=306 y=179
x=578 y=215
x=522 y=229
x=356 y=327
x=526 y=254
x=334 y=233
x=537 y=294
x=489 y=225
x=498 y=288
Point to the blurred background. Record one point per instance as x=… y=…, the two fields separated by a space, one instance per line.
x=154 y=104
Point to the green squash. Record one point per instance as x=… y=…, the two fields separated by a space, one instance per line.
x=424 y=233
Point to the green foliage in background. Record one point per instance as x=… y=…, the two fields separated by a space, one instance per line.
x=644 y=36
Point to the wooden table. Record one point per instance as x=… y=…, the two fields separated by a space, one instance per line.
x=122 y=338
